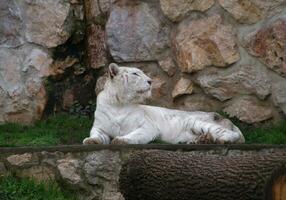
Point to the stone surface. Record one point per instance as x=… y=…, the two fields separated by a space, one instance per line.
x=167 y=65
x=96 y=48
x=251 y=11
x=268 y=44
x=95 y=10
x=238 y=80
x=162 y=37
x=183 y=86
x=136 y=32
x=20 y=160
x=204 y=42
x=279 y=93
x=38 y=173
x=104 y=165
x=68 y=171
x=11 y=24
x=103 y=168
x=248 y=109
x=158 y=87
x=3 y=170
x=177 y=10
x=22 y=73
x=198 y=102
x=46 y=22
x=51 y=158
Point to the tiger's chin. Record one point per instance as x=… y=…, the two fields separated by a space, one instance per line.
x=142 y=91
x=144 y=94
x=142 y=97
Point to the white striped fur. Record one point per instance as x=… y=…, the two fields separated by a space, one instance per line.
x=120 y=116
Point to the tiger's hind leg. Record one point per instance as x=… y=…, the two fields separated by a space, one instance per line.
x=209 y=132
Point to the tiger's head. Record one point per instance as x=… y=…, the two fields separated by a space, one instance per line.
x=127 y=85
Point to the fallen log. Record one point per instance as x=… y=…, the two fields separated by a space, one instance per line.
x=165 y=175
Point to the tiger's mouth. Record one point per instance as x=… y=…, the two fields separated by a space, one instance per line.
x=143 y=91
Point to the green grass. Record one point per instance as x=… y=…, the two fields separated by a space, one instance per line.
x=264 y=133
x=70 y=129
x=26 y=189
x=57 y=130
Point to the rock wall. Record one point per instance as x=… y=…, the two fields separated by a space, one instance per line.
x=203 y=55
x=92 y=172
x=224 y=55
x=31 y=35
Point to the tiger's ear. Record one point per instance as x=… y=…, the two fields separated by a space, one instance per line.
x=113 y=70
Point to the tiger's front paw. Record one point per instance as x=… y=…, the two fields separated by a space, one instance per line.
x=118 y=140
x=206 y=139
x=89 y=140
x=229 y=137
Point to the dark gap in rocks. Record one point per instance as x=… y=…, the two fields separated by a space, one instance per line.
x=72 y=90
x=69 y=48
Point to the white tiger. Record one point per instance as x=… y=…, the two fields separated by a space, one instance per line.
x=120 y=117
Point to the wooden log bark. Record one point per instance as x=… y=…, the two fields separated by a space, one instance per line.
x=165 y=175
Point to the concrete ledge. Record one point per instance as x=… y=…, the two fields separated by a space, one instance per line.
x=170 y=147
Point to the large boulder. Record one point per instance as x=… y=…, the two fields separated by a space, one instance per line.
x=177 y=10
x=11 y=24
x=47 y=22
x=136 y=32
x=204 y=42
x=182 y=87
x=251 y=11
x=248 y=109
x=69 y=171
x=22 y=92
x=28 y=165
x=238 y=80
x=268 y=44
x=22 y=160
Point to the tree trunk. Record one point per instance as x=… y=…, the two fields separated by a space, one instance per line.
x=165 y=175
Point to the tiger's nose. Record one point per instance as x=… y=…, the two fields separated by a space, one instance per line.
x=149 y=82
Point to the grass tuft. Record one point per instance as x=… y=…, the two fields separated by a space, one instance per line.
x=264 y=133
x=57 y=130
x=12 y=188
